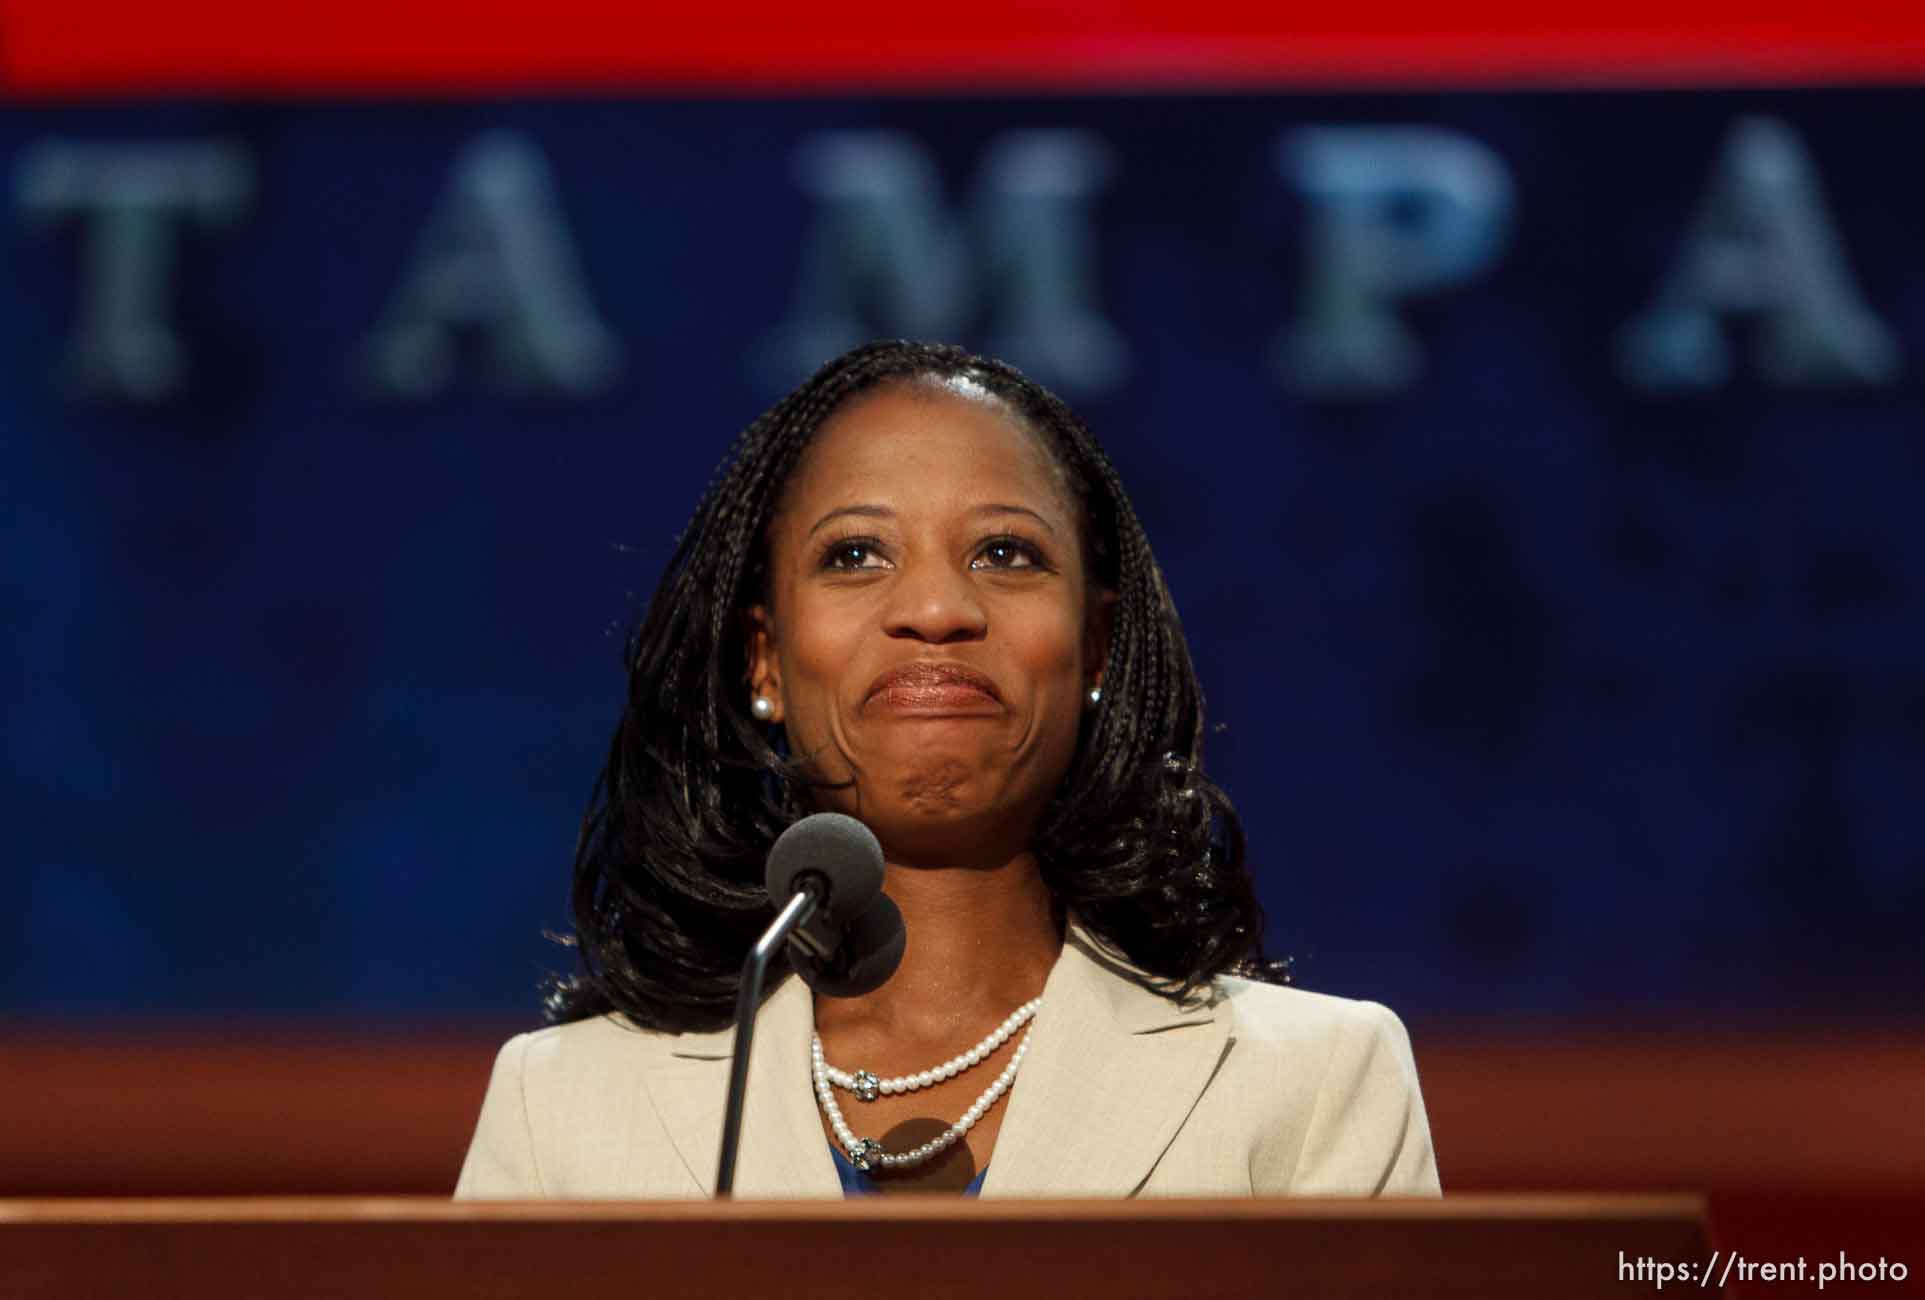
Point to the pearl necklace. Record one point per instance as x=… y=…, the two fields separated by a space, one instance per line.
x=867 y=1153
x=867 y=1087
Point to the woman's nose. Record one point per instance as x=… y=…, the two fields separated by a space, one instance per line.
x=937 y=604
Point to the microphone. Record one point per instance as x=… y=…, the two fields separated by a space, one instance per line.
x=846 y=938
x=839 y=862
x=854 y=942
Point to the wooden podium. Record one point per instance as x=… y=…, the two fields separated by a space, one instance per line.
x=347 y=1248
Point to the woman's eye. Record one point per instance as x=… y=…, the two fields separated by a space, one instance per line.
x=1009 y=553
x=855 y=553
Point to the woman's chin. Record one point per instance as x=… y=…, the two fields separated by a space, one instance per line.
x=935 y=793
x=942 y=827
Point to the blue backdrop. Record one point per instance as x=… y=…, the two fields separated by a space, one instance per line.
x=1538 y=476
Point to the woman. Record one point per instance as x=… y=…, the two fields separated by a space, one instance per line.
x=918 y=595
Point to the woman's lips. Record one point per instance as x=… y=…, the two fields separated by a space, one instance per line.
x=934 y=689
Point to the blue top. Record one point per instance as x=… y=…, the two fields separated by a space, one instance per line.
x=857 y=1183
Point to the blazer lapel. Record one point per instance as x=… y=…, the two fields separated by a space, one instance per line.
x=783 y=1154
x=1113 y=1070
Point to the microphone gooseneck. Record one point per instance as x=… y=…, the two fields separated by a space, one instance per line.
x=846 y=938
x=870 y=951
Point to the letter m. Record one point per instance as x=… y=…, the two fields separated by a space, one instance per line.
x=886 y=256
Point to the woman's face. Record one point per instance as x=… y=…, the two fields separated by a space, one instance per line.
x=931 y=632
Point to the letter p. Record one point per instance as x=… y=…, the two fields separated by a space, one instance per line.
x=1395 y=212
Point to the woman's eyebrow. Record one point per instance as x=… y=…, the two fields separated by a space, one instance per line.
x=884 y=512
x=980 y=511
x=867 y=512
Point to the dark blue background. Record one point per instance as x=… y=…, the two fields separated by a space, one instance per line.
x=1540 y=697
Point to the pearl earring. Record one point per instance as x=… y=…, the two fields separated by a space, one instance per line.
x=762 y=707
x=1095 y=696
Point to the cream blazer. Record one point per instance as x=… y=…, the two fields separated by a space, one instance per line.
x=1253 y=1090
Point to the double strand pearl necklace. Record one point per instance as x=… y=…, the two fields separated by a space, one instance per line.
x=867 y=1153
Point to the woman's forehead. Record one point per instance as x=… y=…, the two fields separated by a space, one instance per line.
x=933 y=435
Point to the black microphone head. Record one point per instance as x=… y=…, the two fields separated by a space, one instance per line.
x=870 y=952
x=837 y=848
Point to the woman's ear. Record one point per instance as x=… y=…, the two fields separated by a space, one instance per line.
x=764 y=675
x=1096 y=632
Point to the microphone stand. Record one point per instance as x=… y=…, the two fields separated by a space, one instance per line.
x=801 y=907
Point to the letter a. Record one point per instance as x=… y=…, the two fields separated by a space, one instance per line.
x=1761 y=245
x=495 y=260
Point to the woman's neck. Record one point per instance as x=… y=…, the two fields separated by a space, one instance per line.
x=981 y=941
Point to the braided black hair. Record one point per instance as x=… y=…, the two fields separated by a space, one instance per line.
x=668 y=894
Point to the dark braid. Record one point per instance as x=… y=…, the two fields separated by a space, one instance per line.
x=667 y=895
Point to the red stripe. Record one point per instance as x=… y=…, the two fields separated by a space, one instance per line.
x=356 y=47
